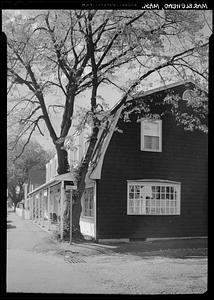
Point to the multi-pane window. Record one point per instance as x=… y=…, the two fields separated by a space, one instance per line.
x=153 y=198
x=151 y=135
x=88 y=202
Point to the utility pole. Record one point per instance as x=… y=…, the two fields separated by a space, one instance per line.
x=61 y=209
x=71 y=203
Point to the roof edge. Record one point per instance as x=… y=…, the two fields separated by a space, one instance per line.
x=55 y=180
x=159 y=89
x=154 y=180
x=165 y=87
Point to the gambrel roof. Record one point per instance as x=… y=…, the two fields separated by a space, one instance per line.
x=105 y=134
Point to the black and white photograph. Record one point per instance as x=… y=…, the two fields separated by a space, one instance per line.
x=107 y=148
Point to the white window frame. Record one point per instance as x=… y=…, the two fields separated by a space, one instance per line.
x=143 y=122
x=92 y=210
x=86 y=145
x=169 y=195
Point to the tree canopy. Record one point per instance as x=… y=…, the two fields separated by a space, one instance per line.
x=34 y=156
x=66 y=52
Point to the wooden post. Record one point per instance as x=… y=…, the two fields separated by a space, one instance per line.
x=31 y=207
x=36 y=205
x=49 y=218
x=43 y=208
x=39 y=205
x=25 y=200
x=71 y=194
x=61 y=209
x=36 y=210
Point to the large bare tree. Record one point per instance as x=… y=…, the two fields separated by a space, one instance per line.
x=71 y=51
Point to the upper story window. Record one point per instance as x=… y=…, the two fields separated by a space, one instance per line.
x=155 y=197
x=151 y=135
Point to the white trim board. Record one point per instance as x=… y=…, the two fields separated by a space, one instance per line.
x=96 y=173
x=166 y=87
x=177 y=238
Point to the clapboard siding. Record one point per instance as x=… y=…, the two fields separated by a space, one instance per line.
x=183 y=159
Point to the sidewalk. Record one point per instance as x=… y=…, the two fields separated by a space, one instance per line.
x=23 y=234
x=27 y=235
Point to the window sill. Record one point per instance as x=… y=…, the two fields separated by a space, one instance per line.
x=151 y=150
x=87 y=218
x=154 y=215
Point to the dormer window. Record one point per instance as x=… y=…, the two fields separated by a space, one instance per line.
x=151 y=135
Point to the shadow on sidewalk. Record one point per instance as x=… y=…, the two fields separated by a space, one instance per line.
x=176 y=248
x=10 y=212
x=9 y=226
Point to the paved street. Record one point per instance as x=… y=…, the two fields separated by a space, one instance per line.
x=37 y=264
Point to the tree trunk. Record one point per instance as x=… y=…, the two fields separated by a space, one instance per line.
x=77 y=208
x=63 y=167
x=76 y=212
x=62 y=155
x=16 y=198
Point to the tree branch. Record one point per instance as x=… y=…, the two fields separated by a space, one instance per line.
x=94 y=66
x=188 y=51
x=111 y=82
x=166 y=64
x=40 y=97
x=22 y=121
x=29 y=137
x=18 y=79
x=115 y=37
x=191 y=68
x=57 y=48
x=101 y=28
x=55 y=105
x=19 y=137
